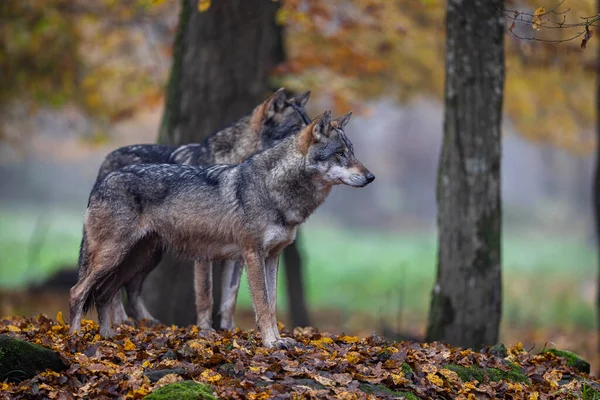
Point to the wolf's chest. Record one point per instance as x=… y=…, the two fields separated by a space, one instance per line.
x=276 y=235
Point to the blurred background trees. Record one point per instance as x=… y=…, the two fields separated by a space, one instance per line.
x=81 y=78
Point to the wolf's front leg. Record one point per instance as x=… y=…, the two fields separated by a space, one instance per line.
x=232 y=274
x=203 y=290
x=272 y=269
x=260 y=278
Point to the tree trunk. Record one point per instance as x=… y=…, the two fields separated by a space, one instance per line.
x=221 y=64
x=466 y=300
x=596 y=184
x=295 y=284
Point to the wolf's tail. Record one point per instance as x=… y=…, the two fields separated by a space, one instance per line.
x=82 y=270
x=83 y=263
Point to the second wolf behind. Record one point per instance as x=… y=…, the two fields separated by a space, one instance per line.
x=272 y=121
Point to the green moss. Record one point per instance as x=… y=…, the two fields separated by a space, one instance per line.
x=493 y=374
x=186 y=390
x=407 y=370
x=21 y=360
x=380 y=390
x=573 y=360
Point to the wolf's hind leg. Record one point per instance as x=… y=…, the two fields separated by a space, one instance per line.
x=146 y=258
x=232 y=274
x=102 y=264
x=118 y=315
x=104 y=311
x=203 y=292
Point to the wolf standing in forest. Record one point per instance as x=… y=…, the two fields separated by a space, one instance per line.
x=269 y=123
x=250 y=210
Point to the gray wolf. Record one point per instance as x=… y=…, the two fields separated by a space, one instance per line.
x=269 y=123
x=250 y=211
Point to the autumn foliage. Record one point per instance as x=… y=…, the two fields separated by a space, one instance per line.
x=140 y=360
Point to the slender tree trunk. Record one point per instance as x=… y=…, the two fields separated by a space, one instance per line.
x=295 y=284
x=467 y=297
x=221 y=64
x=596 y=184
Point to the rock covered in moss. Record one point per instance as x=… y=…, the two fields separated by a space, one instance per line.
x=186 y=390
x=479 y=374
x=499 y=350
x=573 y=360
x=21 y=360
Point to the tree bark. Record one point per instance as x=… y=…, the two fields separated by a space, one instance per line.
x=466 y=301
x=221 y=64
x=295 y=284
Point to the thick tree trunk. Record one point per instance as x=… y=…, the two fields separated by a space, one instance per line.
x=221 y=64
x=467 y=297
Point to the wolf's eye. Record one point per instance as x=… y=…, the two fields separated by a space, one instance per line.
x=340 y=154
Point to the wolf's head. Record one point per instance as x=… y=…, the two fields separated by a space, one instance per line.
x=280 y=117
x=329 y=154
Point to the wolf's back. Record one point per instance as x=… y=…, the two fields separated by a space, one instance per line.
x=135 y=154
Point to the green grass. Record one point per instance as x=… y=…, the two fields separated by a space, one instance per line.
x=547 y=280
x=59 y=236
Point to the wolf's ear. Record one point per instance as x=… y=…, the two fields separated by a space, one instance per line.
x=267 y=109
x=315 y=131
x=342 y=121
x=301 y=99
x=275 y=103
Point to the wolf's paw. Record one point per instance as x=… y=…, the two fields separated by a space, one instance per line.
x=284 y=343
x=205 y=329
x=121 y=321
x=107 y=333
x=150 y=321
x=227 y=325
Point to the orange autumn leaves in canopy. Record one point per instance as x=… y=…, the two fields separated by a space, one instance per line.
x=355 y=50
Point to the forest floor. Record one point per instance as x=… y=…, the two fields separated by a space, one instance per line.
x=139 y=361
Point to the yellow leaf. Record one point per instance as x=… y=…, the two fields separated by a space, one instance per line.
x=321 y=342
x=203 y=5
x=59 y=318
x=536 y=20
x=210 y=375
x=282 y=15
x=353 y=357
x=12 y=328
x=139 y=393
x=398 y=379
x=436 y=380
x=146 y=364
x=128 y=345
x=450 y=375
x=349 y=339
x=430 y=369
x=534 y=396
